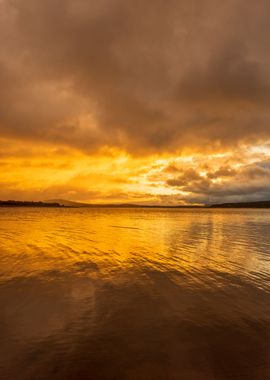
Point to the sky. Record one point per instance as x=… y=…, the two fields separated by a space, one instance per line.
x=148 y=102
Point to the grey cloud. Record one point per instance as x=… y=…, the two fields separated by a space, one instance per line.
x=223 y=171
x=250 y=182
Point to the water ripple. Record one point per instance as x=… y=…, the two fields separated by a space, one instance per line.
x=134 y=294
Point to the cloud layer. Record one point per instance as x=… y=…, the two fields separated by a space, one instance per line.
x=41 y=172
x=143 y=76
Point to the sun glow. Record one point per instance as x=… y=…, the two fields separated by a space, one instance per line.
x=44 y=171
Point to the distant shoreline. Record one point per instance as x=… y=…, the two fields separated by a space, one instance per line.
x=28 y=204
x=70 y=204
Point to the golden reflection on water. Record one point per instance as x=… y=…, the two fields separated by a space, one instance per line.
x=36 y=240
x=157 y=285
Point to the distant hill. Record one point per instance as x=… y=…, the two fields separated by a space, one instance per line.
x=259 y=204
x=67 y=203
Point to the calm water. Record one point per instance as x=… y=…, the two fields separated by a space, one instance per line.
x=134 y=294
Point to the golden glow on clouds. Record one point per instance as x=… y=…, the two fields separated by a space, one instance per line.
x=44 y=171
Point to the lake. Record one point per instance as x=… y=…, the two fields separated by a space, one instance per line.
x=134 y=294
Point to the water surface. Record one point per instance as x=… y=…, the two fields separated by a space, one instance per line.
x=134 y=294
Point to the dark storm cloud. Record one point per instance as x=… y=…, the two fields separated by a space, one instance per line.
x=156 y=75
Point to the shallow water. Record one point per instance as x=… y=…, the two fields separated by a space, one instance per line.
x=136 y=294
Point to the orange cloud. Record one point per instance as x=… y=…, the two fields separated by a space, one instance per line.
x=43 y=172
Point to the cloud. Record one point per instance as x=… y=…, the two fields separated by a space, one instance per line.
x=39 y=172
x=145 y=76
x=248 y=182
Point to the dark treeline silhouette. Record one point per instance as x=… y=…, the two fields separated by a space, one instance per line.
x=258 y=204
x=11 y=203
